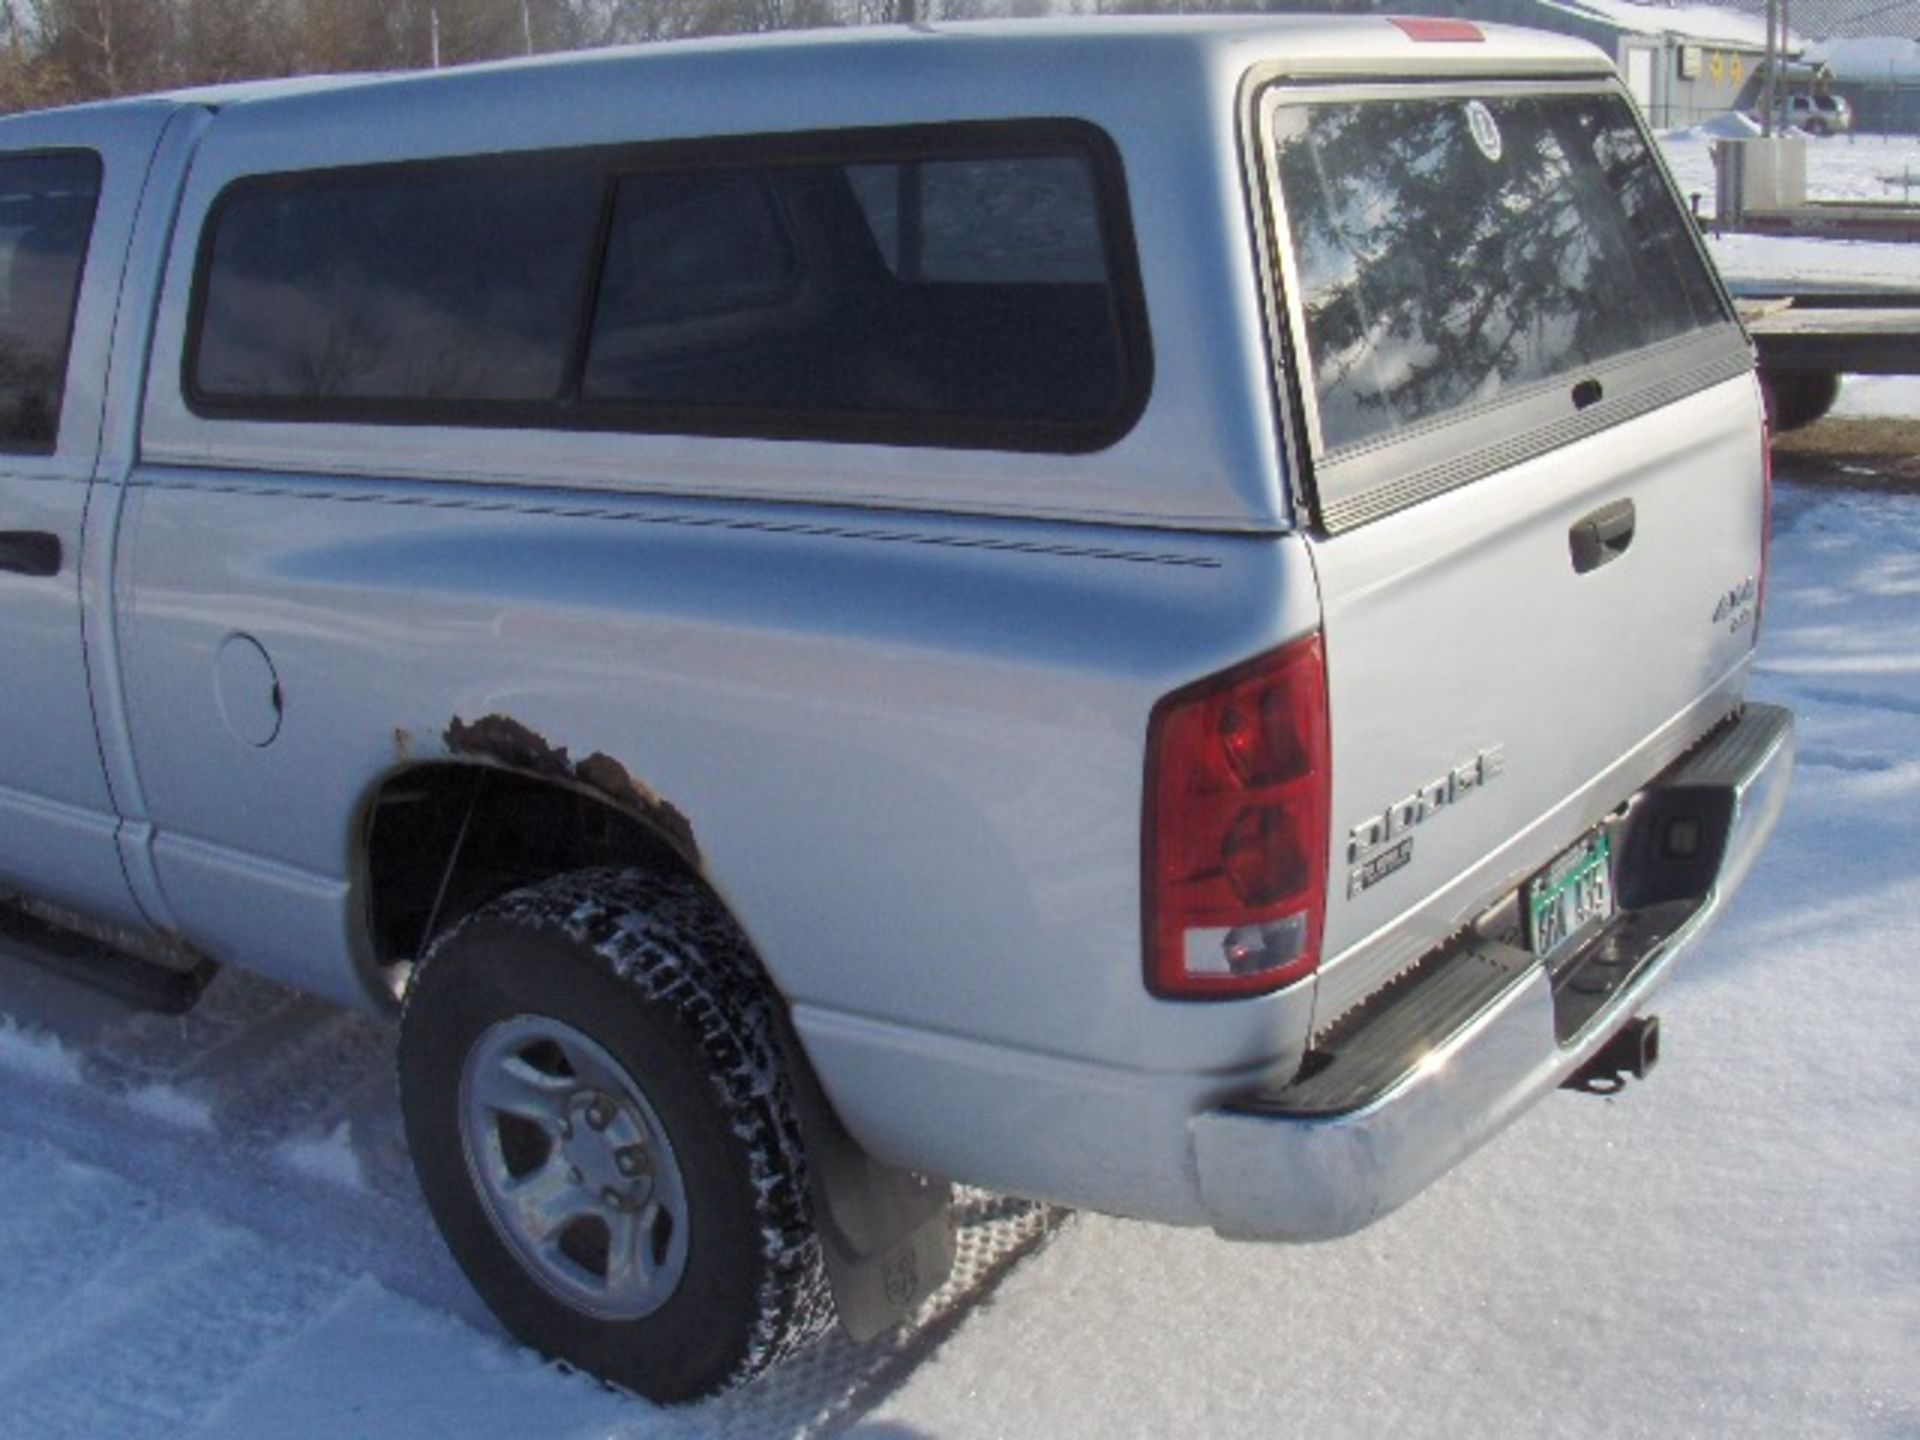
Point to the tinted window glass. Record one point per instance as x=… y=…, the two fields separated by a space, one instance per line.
x=1021 y=221
x=1450 y=250
x=46 y=215
x=964 y=287
x=444 y=283
x=702 y=243
x=946 y=285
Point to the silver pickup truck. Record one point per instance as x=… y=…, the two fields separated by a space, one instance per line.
x=1151 y=615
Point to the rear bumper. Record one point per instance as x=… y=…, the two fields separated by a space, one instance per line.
x=1449 y=1061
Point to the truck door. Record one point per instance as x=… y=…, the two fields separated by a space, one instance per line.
x=69 y=187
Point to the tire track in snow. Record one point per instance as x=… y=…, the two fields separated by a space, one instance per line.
x=160 y=1332
x=62 y=1223
x=244 y=1179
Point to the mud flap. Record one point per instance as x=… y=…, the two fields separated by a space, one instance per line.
x=886 y=1234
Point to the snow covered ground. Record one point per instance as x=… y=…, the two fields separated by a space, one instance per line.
x=1879 y=395
x=1839 y=167
x=207 y=1226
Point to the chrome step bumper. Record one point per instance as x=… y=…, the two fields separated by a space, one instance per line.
x=1451 y=1059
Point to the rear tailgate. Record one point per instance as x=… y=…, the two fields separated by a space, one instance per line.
x=1537 y=477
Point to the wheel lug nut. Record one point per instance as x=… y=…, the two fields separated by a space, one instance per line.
x=600 y=1115
x=632 y=1160
x=612 y=1197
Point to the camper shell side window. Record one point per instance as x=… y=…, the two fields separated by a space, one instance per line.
x=965 y=285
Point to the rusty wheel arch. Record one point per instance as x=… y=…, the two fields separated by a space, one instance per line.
x=504 y=741
x=501 y=808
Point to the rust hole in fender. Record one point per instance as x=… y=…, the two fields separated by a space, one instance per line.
x=506 y=741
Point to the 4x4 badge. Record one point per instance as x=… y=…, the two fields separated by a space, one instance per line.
x=1735 y=608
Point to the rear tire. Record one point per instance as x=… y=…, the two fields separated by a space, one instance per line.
x=594 y=1095
x=1797 y=398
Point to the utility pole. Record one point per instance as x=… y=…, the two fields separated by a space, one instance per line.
x=526 y=24
x=1786 y=29
x=433 y=24
x=1773 y=69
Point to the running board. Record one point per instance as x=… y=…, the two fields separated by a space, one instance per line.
x=168 y=989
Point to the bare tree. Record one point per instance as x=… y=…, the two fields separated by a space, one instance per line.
x=57 y=51
x=235 y=39
x=336 y=35
x=80 y=49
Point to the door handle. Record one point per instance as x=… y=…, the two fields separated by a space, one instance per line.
x=30 y=552
x=1602 y=536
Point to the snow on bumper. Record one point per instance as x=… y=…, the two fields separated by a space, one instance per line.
x=1273 y=1169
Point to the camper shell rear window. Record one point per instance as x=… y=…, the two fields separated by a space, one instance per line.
x=967 y=285
x=1497 y=260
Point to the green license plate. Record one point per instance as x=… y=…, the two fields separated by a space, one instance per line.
x=1571 y=896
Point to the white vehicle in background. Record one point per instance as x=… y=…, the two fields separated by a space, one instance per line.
x=1814 y=113
x=1152 y=615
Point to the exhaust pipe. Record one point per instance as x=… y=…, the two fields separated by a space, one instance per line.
x=1633 y=1050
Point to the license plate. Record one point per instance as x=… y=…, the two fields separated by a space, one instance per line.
x=1572 y=894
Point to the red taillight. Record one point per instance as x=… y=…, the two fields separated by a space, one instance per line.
x=1235 y=840
x=1766 y=525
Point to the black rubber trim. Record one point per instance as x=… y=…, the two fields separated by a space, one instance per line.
x=1733 y=750
x=1383 y=1042
x=1585 y=983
